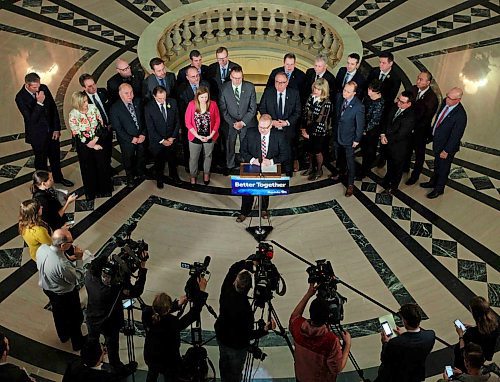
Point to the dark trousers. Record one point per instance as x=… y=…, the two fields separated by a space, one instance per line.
x=48 y=149
x=395 y=167
x=441 y=171
x=417 y=145
x=231 y=362
x=133 y=159
x=369 y=149
x=68 y=316
x=346 y=159
x=153 y=375
x=166 y=155
x=247 y=204
x=293 y=142
x=95 y=169
x=111 y=335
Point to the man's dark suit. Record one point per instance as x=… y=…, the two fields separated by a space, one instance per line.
x=40 y=122
x=424 y=108
x=107 y=142
x=150 y=82
x=447 y=138
x=159 y=129
x=181 y=75
x=251 y=147
x=123 y=123
x=114 y=83
x=358 y=78
x=348 y=129
x=403 y=357
x=390 y=85
x=398 y=133
x=296 y=80
x=311 y=78
x=214 y=77
x=245 y=111
x=291 y=113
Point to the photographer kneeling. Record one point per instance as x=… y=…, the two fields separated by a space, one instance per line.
x=318 y=354
x=161 y=348
x=108 y=282
x=235 y=325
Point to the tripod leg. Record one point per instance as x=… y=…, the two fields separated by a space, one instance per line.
x=282 y=331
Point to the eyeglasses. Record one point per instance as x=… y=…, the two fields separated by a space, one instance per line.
x=221 y=58
x=401 y=101
x=123 y=69
x=452 y=99
x=265 y=128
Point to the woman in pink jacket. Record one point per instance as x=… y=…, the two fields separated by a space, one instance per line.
x=202 y=121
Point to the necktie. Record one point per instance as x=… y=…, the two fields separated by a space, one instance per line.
x=34 y=95
x=382 y=76
x=280 y=106
x=288 y=74
x=237 y=95
x=101 y=110
x=346 y=79
x=344 y=106
x=397 y=114
x=419 y=94
x=223 y=74
x=162 y=83
x=263 y=147
x=163 y=112
x=131 y=110
x=195 y=88
x=317 y=77
x=441 y=117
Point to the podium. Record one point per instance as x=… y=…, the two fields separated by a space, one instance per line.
x=256 y=181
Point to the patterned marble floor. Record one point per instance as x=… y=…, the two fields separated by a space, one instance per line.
x=388 y=250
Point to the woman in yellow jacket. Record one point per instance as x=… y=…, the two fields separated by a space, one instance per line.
x=31 y=226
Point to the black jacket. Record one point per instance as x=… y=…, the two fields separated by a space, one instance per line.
x=234 y=326
x=390 y=85
x=425 y=109
x=448 y=134
x=398 y=132
x=311 y=78
x=292 y=108
x=358 y=78
x=123 y=124
x=50 y=208
x=158 y=128
x=277 y=148
x=296 y=81
x=103 y=96
x=114 y=83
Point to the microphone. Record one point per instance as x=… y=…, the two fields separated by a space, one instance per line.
x=206 y=262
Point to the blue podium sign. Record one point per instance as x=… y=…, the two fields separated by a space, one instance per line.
x=260 y=186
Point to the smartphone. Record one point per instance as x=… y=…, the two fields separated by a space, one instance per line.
x=387 y=329
x=460 y=325
x=128 y=303
x=70 y=223
x=449 y=371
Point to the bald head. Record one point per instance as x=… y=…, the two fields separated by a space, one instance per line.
x=454 y=96
x=126 y=93
x=123 y=68
x=60 y=237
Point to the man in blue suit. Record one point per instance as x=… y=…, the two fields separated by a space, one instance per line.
x=350 y=122
x=448 y=129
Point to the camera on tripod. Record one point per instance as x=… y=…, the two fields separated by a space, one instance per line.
x=120 y=266
x=323 y=275
x=196 y=270
x=267 y=277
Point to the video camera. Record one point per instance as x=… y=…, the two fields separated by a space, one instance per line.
x=323 y=275
x=120 y=266
x=267 y=277
x=196 y=270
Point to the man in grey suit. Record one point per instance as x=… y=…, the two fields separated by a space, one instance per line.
x=159 y=77
x=238 y=106
x=350 y=124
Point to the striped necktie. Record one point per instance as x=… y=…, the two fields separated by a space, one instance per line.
x=263 y=147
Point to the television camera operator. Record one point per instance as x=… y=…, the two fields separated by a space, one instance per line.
x=319 y=356
x=108 y=282
x=161 y=348
x=234 y=327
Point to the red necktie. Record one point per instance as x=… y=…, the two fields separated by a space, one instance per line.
x=441 y=117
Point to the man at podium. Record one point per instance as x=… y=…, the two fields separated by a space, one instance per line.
x=263 y=146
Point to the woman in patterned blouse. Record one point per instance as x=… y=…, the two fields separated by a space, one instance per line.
x=202 y=121
x=86 y=125
x=316 y=119
x=374 y=108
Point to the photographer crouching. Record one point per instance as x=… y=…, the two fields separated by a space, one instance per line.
x=108 y=282
x=161 y=348
x=235 y=325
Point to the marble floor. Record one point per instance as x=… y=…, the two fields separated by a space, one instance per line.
x=386 y=250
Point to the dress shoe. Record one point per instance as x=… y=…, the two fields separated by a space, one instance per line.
x=334 y=177
x=77 y=345
x=66 y=183
x=427 y=185
x=359 y=177
x=411 y=181
x=130 y=183
x=175 y=179
x=265 y=215
x=434 y=194
x=206 y=182
x=349 y=191
x=240 y=218
x=225 y=171
x=307 y=172
x=159 y=184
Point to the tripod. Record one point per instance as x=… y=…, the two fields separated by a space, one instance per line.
x=254 y=350
x=129 y=331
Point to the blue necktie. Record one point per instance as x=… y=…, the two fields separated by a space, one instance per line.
x=162 y=83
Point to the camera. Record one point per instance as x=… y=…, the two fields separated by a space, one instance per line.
x=267 y=277
x=196 y=270
x=323 y=275
x=120 y=266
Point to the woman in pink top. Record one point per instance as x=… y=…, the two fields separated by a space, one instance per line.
x=202 y=121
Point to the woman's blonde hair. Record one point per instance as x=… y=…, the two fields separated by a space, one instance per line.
x=321 y=84
x=77 y=100
x=28 y=215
